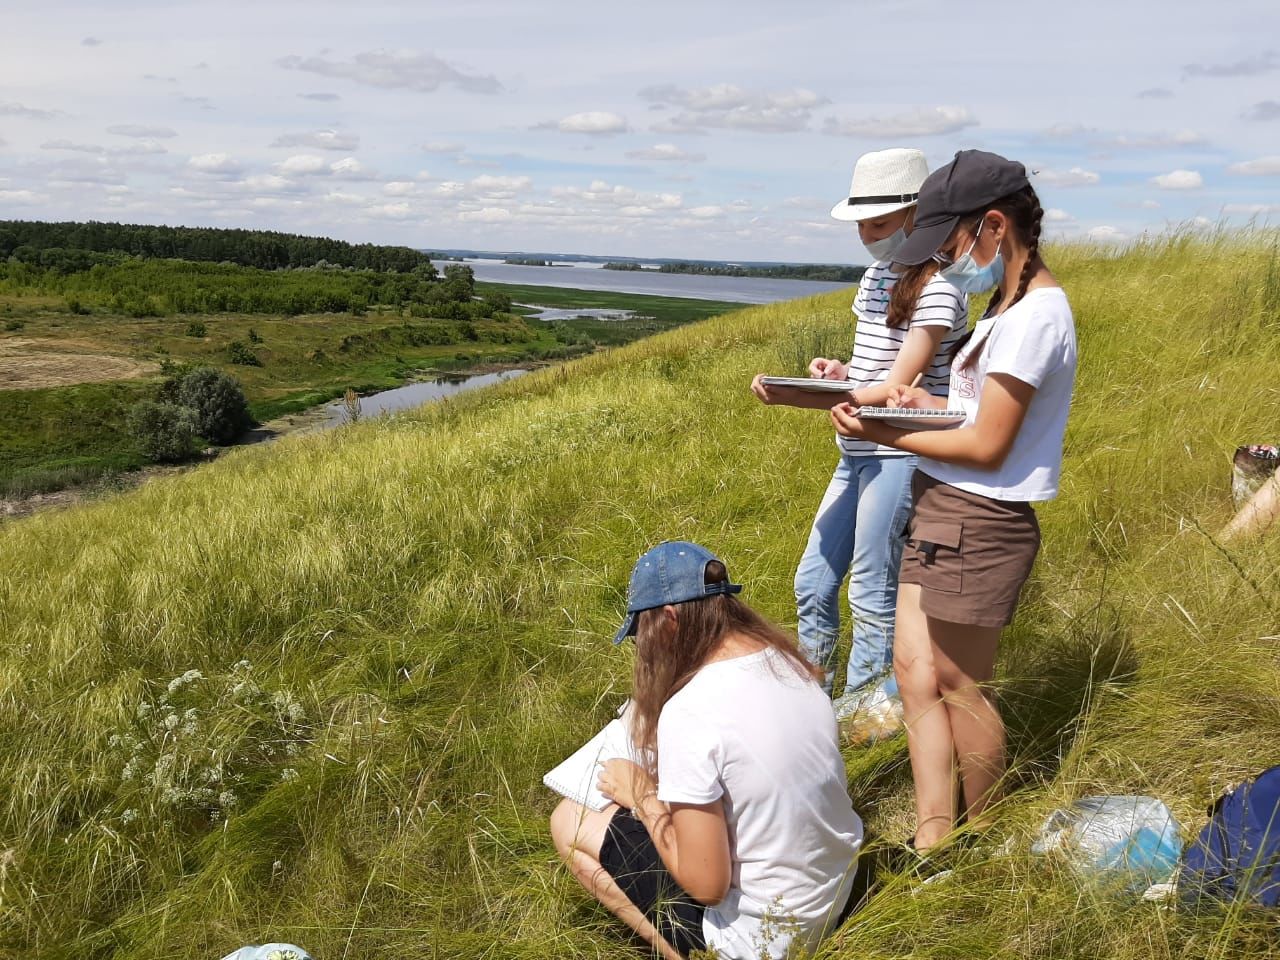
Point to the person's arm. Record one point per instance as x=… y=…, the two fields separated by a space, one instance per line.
x=1258 y=514
x=692 y=839
x=985 y=445
x=919 y=347
x=805 y=399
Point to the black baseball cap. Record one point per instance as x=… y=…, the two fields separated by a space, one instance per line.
x=968 y=183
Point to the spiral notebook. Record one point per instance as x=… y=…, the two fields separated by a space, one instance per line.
x=575 y=776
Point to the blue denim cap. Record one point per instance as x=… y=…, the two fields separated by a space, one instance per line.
x=671 y=572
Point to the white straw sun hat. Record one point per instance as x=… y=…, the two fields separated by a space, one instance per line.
x=883 y=181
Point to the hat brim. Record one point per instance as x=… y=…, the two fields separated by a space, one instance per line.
x=852 y=212
x=628 y=628
x=923 y=242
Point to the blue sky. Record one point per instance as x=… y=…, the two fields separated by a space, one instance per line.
x=719 y=130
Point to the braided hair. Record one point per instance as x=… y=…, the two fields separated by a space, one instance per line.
x=1025 y=216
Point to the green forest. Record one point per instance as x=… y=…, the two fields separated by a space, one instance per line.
x=31 y=241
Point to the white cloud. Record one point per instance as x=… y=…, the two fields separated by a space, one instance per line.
x=1075 y=177
x=442 y=146
x=219 y=163
x=666 y=153
x=63 y=144
x=20 y=196
x=1054 y=215
x=922 y=122
x=1155 y=93
x=303 y=164
x=406 y=70
x=1262 y=167
x=1150 y=204
x=1106 y=234
x=399 y=188
x=726 y=106
x=349 y=168
x=394 y=211
x=1155 y=141
x=320 y=97
x=1248 y=67
x=90 y=42
x=1179 y=180
x=142 y=131
x=1264 y=111
x=594 y=122
x=706 y=212
x=11 y=109
x=270 y=182
x=492 y=186
x=318 y=140
x=1252 y=209
x=486 y=215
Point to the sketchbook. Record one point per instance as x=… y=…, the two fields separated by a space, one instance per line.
x=575 y=777
x=809 y=385
x=912 y=418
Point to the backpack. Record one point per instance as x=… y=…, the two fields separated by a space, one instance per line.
x=1237 y=854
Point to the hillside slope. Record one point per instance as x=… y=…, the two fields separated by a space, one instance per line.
x=398 y=627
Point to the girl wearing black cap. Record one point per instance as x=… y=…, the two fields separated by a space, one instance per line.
x=973 y=534
x=739 y=836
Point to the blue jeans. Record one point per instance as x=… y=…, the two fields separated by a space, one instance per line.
x=859 y=531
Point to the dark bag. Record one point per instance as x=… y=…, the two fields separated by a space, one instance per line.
x=1237 y=855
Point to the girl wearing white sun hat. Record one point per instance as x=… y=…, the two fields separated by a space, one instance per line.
x=860 y=522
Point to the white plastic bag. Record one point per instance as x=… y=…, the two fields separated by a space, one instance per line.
x=1133 y=839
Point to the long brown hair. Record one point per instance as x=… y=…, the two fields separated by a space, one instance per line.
x=902 y=300
x=1025 y=215
x=668 y=657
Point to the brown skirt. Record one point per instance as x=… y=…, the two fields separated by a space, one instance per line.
x=969 y=553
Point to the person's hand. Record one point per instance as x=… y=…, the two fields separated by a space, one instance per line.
x=820 y=368
x=624 y=782
x=766 y=394
x=845 y=418
x=900 y=395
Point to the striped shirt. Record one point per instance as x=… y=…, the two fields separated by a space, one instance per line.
x=876 y=345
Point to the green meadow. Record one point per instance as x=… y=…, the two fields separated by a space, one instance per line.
x=308 y=692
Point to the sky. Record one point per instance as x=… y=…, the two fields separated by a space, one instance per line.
x=696 y=129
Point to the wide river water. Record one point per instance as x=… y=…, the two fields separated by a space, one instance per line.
x=592 y=276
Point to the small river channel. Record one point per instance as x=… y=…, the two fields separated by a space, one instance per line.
x=334 y=414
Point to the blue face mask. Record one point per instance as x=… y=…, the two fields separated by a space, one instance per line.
x=966 y=274
x=884 y=249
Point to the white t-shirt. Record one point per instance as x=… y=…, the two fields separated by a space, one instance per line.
x=876 y=344
x=755 y=732
x=1034 y=341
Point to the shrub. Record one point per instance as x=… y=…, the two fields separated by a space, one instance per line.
x=75 y=306
x=238 y=352
x=163 y=431
x=218 y=402
x=253 y=336
x=197 y=328
x=15 y=324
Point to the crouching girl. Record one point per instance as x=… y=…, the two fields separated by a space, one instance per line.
x=740 y=835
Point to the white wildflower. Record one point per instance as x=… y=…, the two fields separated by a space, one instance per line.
x=288 y=775
x=129 y=816
x=191 y=676
x=227 y=799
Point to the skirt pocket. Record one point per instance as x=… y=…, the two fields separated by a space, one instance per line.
x=935 y=546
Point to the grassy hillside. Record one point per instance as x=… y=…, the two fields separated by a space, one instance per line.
x=398 y=627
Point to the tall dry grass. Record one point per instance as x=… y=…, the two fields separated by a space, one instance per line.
x=308 y=692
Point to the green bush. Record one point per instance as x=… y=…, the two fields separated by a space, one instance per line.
x=253 y=336
x=238 y=352
x=163 y=431
x=75 y=306
x=15 y=324
x=217 y=401
x=197 y=328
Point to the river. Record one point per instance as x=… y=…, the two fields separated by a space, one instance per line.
x=592 y=276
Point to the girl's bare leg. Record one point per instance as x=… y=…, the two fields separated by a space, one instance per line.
x=964 y=659
x=578 y=834
x=1258 y=514
x=929 y=739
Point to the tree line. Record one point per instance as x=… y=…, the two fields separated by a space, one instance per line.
x=151 y=288
x=787 y=271
x=265 y=249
